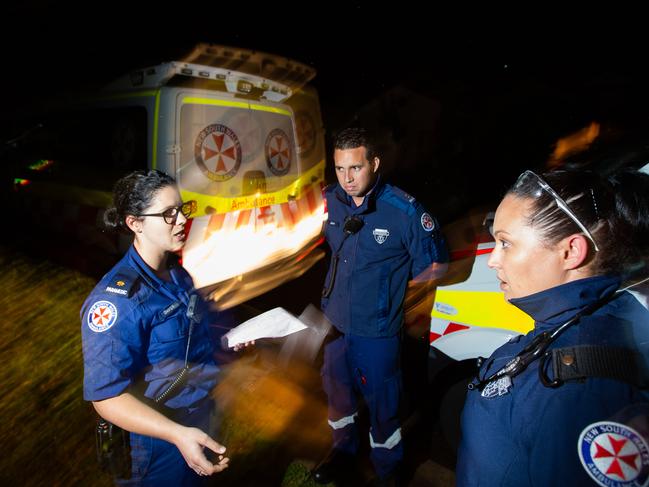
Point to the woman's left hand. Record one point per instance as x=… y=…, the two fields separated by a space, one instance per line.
x=191 y=442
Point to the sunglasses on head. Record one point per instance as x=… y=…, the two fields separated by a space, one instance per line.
x=528 y=176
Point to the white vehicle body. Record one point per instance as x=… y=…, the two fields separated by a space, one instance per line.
x=471 y=319
x=242 y=134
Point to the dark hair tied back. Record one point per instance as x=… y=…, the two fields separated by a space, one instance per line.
x=615 y=211
x=132 y=195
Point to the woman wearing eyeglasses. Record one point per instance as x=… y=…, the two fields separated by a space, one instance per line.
x=566 y=404
x=148 y=357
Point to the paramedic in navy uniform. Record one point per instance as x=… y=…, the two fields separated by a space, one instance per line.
x=579 y=414
x=136 y=325
x=380 y=238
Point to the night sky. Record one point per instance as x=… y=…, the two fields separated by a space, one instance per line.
x=506 y=90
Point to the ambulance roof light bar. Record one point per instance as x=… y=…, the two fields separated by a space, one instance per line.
x=240 y=70
x=268 y=66
x=235 y=82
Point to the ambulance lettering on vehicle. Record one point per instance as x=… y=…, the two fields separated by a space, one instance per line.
x=241 y=132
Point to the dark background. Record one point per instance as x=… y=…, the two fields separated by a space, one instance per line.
x=507 y=83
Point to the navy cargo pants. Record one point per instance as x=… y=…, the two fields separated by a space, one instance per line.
x=371 y=367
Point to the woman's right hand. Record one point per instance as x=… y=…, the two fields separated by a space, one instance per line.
x=191 y=441
x=131 y=414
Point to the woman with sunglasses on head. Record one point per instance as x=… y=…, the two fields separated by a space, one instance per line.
x=148 y=357
x=566 y=404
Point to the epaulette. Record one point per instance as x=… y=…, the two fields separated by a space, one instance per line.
x=123 y=282
x=400 y=199
x=402 y=194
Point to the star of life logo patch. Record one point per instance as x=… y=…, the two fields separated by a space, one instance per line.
x=101 y=316
x=278 y=152
x=380 y=235
x=614 y=454
x=427 y=222
x=217 y=152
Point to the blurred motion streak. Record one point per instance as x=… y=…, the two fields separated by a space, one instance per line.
x=47 y=429
x=271 y=413
x=240 y=130
x=206 y=260
x=267 y=405
x=574 y=143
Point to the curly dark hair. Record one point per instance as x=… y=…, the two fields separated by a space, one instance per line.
x=132 y=195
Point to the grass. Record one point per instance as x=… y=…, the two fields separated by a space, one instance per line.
x=270 y=415
x=46 y=429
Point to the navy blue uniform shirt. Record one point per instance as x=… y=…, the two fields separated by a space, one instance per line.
x=529 y=434
x=134 y=328
x=397 y=241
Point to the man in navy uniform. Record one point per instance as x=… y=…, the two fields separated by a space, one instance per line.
x=380 y=238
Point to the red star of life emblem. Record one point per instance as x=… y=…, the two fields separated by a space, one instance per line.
x=616 y=456
x=101 y=316
x=217 y=152
x=222 y=148
x=278 y=152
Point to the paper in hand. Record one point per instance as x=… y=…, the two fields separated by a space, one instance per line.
x=274 y=323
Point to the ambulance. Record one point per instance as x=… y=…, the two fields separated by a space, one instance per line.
x=240 y=130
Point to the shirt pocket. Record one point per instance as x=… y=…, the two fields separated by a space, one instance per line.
x=371 y=300
x=170 y=328
x=333 y=233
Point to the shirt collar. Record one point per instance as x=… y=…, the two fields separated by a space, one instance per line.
x=369 y=201
x=145 y=270
x=558 y=304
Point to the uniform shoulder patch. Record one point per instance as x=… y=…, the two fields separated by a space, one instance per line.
x=614 y=454
x=102 y=315
x=427 y=222
x=123 y=282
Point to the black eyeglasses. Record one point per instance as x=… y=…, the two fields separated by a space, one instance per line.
x=171 y=214
x=528 y=175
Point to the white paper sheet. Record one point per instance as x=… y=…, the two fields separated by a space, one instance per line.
x=274 y=323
